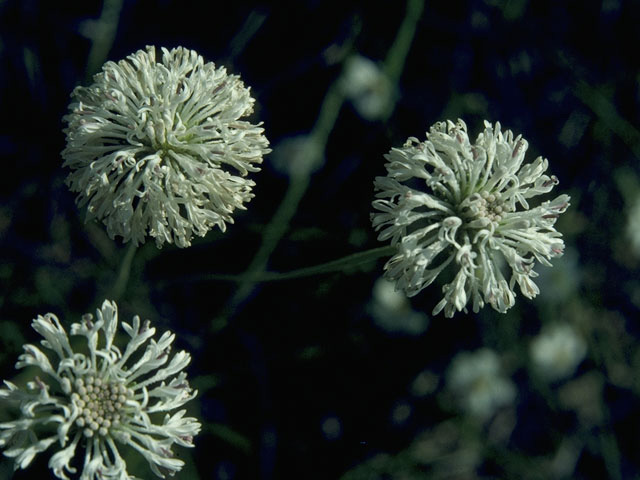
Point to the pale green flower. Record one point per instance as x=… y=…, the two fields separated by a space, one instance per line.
x=448 y=203
x=368 y=88
x=91 y=401
x=480 y=386
x=557 y=351
x=391 y=310
x=298 y=156
x=158 y=148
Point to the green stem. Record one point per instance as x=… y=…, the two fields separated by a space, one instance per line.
x=279 y=224
x=252 y=24
x=123 y=274
x=610 y=454
x=230 y=436
x=606 y=111
x=345 y=264
x=272 y=235
x=609 y=448
x=320 y=133
x=331 y=105
x=298 y=185
x=102 y=36
x=397 y=55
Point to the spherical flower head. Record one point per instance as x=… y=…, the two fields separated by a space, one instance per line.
x=448 y=203
x=99 y=399
x=158 y=148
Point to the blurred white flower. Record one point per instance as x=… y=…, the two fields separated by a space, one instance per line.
x=99 y=398
x=387 y=297
x=392 y=312
x=367 y=87
x=331 y=427
x=446 y=202
x=477 y=380
x=297 y=156
x=425 y=383
x=158 y=148
x=401 y=412
x=557 y=351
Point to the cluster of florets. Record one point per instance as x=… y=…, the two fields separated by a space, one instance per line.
x=448 y=203
x=99 y=399
x=158 y=147
x=99 y=403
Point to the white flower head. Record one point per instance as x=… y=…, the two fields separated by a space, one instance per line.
x=298 y=156
x=368 y=87
x=158 y=148
x=391 y=310
x=477 y=380
x=100 y=399
x=448 y=203
x=557 y=351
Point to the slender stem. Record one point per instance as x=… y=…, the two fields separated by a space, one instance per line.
x=102 y=34
x=609 y=448
x=272 y=235
x=252 y=24
x=298 y=185
x=397 y=54
x=321 y=131
x=123 y=274
x=230 y=436
x=606 y=111
x=344 y=264
x=610 y=453
x=347 y=264
x=333 y=100
x=279 y=224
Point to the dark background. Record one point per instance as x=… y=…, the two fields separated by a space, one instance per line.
x=297 y=353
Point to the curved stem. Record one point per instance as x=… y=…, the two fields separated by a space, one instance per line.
x=275 y=230
x=608 y=113
x=347 y=264
x=279 y=223
x=397 y=54
x=272 y=235
x=102 y=34
x=123 y=274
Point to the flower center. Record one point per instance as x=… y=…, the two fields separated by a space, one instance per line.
x=99 y=403
x=491 y=207
x=485 y=205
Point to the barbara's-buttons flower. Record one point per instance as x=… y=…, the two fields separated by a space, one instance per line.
x=92 y=401
x=158 y=147
x=446 y=202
